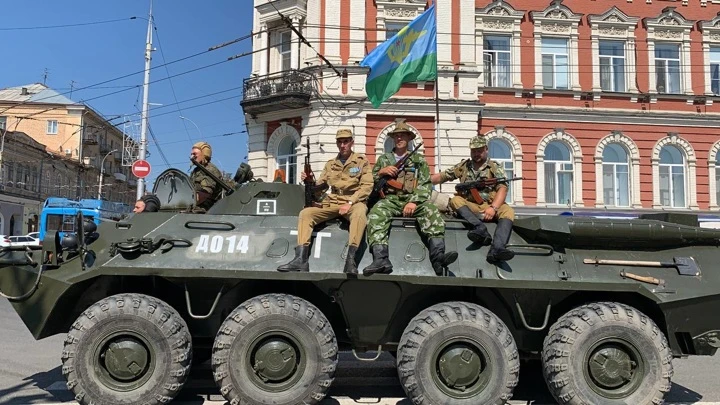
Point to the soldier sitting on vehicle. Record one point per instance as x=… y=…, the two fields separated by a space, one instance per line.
x=350 y=180
x=147 y=203
x=410 y=200
x=207 y=190
x=492 y=205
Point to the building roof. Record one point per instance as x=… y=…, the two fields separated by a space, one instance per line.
x=35 y=93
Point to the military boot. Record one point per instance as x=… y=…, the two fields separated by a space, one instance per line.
x=479 y=233
x=300 y=262
x=439 y=259
x=350 y=265
x=381 y=262
x=498 y=252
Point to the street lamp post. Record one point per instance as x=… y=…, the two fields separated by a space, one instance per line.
x=193 y=122
x=102 y=173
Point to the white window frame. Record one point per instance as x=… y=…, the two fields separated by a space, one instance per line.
x=516 y=152
x=559 y=166
x=634 y=162
x=714 y=62
x=273 y=158
x=493 y=71
x=613 y=85
x=711 y=39
x=392 y=27
x=714 y=175
x=282 y=55
x=666 y=63
x=52 y=127
x=507 y=164
x=3 y=123
x=613 y=25
x=557 y=21
x=555 y=55
x=389 y=11
x=615 y=187
x=499 y=19
x=670 y=167
x=690 y=173
x=669 y=27
x=576 y=156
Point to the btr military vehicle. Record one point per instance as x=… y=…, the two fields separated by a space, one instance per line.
x=604 y=304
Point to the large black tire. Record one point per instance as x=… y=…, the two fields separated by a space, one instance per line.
x=127 y=349
x=275 y=349
x=457 y=353
x=606 y=353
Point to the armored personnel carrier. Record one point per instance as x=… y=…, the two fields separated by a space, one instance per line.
x=604 y=304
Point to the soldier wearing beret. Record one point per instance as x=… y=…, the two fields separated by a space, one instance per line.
x=492 y=207
x=207 y=191
x=350 y=180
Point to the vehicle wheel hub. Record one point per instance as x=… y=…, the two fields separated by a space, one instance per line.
x=611 y=367
x=460 y=366
x=275 y=360
x=125 y=358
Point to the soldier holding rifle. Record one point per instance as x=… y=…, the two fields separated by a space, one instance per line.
x=408 y=193
x=485 y=201
x=350 y=180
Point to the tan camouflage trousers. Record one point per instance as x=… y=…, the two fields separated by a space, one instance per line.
x=380 y=218
x=503 y=212
x=311 y=216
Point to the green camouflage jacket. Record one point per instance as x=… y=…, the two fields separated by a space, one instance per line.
x=415 y=178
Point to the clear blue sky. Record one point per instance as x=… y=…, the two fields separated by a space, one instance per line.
x=95 y=53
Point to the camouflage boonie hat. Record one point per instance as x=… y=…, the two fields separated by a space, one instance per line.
x=402 y=127
x=343 y=133
x=478 y=142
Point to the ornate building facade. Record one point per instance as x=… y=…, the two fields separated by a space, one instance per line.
x=596 y=104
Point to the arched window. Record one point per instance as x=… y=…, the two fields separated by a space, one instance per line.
x=287 y=158
x=558 y=173
x=717 y=179
x=672 y=177
x=500 y=151
x=616 y=176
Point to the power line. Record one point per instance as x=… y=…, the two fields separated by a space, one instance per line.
x=65 y=25
x=172 y=88
x=134 y=73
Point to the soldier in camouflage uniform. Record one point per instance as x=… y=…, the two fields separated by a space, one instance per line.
x=207 y=191
x=350 y=180
x=411 y=200
x=492 y=207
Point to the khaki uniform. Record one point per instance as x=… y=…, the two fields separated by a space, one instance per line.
x=350 y=182
x=203 y=182
x=465 y=172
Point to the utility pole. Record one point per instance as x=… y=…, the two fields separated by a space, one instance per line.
x=145 y=106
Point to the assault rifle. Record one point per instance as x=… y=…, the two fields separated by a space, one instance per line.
x=474 y=186
x=383 y=182
x=311 y=189
x=220 y=182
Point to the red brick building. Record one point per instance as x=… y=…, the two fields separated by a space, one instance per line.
x=602 y=104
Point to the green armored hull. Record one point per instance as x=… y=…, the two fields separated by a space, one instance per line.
x=604 y=304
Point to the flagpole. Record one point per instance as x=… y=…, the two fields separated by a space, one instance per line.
x=438 y=159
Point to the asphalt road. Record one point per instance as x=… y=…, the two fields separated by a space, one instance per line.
x=30 y=374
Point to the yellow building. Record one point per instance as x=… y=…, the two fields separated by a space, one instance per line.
x=72 y=131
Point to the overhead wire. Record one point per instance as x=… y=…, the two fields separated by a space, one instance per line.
x=135 y=73
x=65 y=25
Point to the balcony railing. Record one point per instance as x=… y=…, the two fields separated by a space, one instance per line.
x=278 y=91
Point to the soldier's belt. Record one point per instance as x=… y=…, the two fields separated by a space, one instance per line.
x=339 y=191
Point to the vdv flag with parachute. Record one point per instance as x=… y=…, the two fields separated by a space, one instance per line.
x=409 y=56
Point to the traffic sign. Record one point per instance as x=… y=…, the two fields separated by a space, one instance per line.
x=141 y=168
